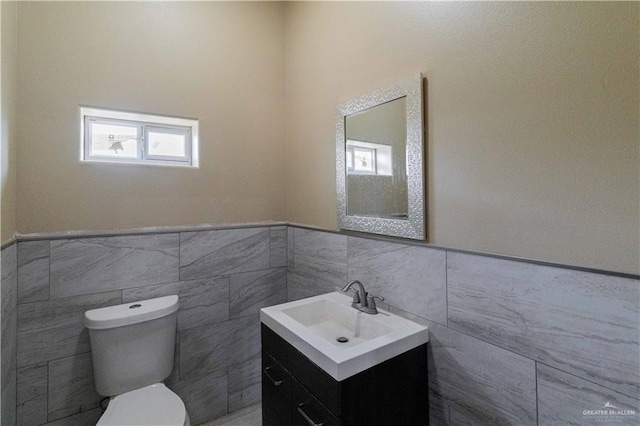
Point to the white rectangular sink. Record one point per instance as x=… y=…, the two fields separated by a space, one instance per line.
x=314 y=325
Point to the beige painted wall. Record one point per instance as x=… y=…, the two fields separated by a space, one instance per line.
x=533 y=118
x=220 y=62
x=533 y=132
x=8 y=83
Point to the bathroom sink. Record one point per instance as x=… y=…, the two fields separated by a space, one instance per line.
x=340 y=339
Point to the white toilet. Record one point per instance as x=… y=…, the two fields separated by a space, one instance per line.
x=132 y=349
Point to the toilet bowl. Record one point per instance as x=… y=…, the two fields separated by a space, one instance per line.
x=153 y=405
x=132 y=349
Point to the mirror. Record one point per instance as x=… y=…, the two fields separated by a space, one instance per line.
x=380 y=161
x=376 y=144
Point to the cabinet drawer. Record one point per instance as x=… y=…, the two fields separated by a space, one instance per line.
x=306 y=410
x=319 y=383
x=276 y=393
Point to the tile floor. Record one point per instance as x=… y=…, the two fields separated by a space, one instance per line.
x=249 y=416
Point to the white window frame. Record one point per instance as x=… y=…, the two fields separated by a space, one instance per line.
x=145 y=123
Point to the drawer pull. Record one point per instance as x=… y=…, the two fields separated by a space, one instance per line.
x=274 y=381
x=306 y=417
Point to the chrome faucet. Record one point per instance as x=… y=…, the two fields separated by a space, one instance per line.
x=362 y=301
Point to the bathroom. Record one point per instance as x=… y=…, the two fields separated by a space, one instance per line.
x=528 y=274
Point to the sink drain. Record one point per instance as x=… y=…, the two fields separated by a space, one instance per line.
x=342 y=339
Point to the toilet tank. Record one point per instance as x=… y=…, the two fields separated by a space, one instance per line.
x=132 y=345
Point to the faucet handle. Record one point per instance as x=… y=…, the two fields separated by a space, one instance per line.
x=371 y=301
x=356 y=298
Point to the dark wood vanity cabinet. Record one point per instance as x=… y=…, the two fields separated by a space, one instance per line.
x=276 y=392
x=295 y=391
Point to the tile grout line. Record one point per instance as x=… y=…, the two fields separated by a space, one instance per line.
x=228 y=389
x=228 y=302
x=446 y=286
x=179 y=357
x=49 y=283
x=47 y=361
x=537 y=407
x=269 y=247
x=48 y=384
x=586 y=380
x=293 y=249
x=347 y=244
x=116 y=290
x=153 y=284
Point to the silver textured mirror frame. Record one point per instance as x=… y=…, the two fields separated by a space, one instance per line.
x=414 y=226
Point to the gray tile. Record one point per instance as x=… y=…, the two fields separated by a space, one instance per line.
x=290 y=246
x=91 y=265
x=71 y=386
x=202 y=302
x=33 y=271
x=87 y=418
x=563 y=399
x=251 y=291
x=459 y=416
x=174 y=377
x=438 y=410
x=250 y=416
x=300 y=286
x=245 y=384
x=54 y=329
x=409 y=277
x=409 y=315
x=8 y=314
x=32 y=395
x=321 y=255
x=278 y=246
x=583 y=323
x=214 y=348
x=9 y=411
x=205 y=397
x=221 y=252
x=489 y=384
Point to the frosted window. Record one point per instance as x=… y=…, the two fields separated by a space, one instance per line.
x=167 y=144
x=136 y=138
x=364 y=160
x=114 y=140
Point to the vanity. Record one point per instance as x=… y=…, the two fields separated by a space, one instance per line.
x=332 y=360
x=325 y=363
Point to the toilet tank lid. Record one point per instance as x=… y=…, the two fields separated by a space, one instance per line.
x=130 y=313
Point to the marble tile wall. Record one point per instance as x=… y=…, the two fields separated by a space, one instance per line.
x=583 y=323
x=410 y=277
x=223 y=278
x=563 y=399
x=8 y=314
x=512 y=342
